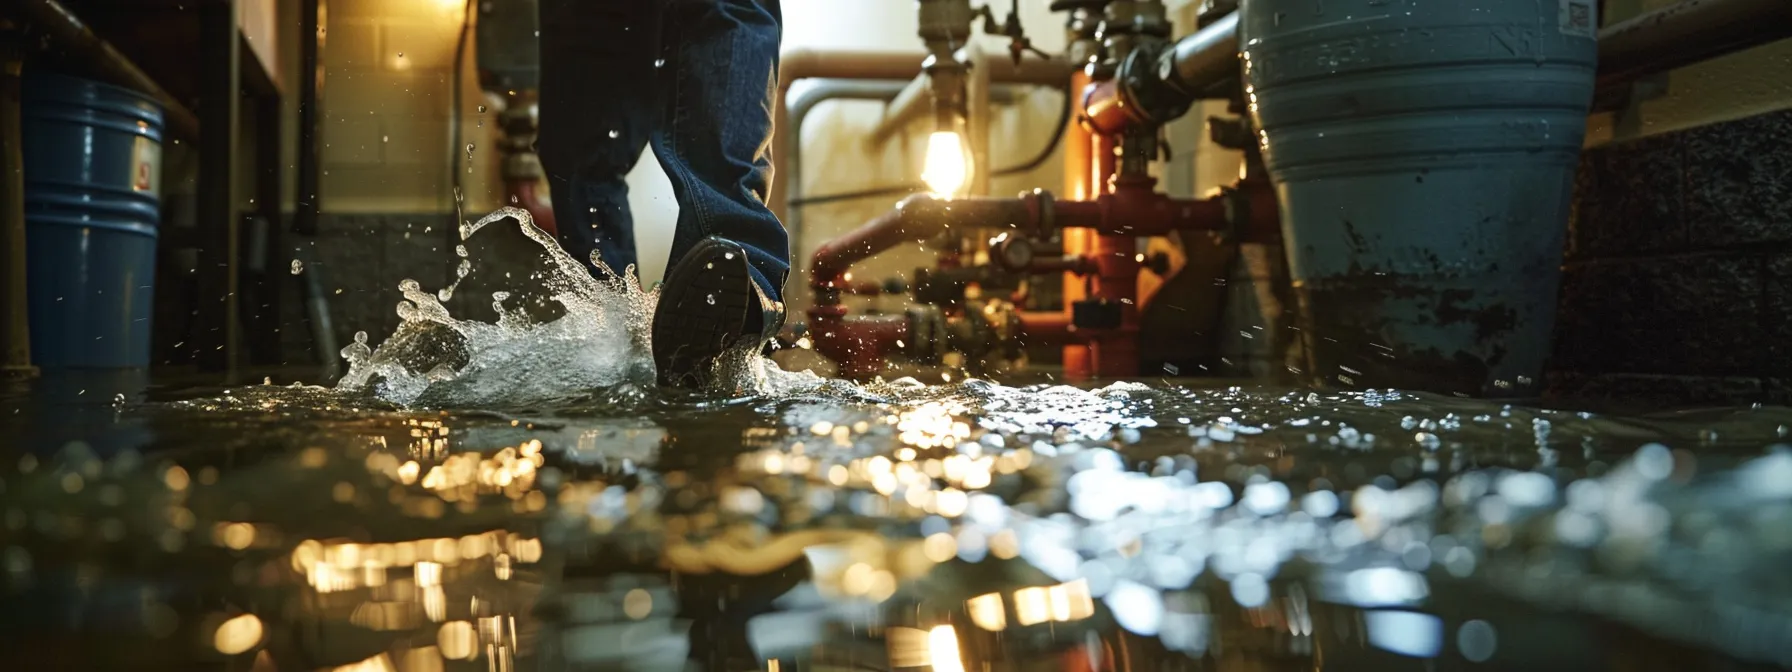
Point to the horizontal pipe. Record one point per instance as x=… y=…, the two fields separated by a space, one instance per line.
x=1047 y=328
x=1203 y=59
x=900 y=113
x=915 y=102
x=1682 y=34
x=74 y=36
x=799 y=64
x=917 y=218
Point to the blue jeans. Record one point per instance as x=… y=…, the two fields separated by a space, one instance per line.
x=696 y=79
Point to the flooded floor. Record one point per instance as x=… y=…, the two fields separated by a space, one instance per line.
x=387 y=525
x=897 y=526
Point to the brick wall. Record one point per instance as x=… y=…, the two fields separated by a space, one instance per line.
x=1678 y=277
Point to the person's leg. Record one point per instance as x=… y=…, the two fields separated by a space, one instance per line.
x=599 y=105
x=716 y=148
x=730 y=254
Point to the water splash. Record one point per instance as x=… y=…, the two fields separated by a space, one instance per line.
x=560 y=332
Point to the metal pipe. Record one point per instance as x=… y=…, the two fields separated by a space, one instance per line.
x=76 y=38
x=1202 y=59
x=913 y=103
x=15 y=340
x=799 y=64
x=1684 y=33
x=792 y=155
x=915 y=219
x=905 y=109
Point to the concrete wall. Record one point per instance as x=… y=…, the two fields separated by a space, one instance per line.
x=389 y=66
x=1740 y=85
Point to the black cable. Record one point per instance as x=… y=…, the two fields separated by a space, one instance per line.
x=909 y=187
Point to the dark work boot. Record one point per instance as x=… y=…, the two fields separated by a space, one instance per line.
x=708 y=305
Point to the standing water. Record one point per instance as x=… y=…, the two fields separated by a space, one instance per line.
x=512 y=494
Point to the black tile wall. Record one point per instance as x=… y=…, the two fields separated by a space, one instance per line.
x=1629 y=199
x=1739 y=180
x=1678 y=281
x=1683 y=315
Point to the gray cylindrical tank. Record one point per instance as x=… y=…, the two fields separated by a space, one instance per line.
x=1423 y=153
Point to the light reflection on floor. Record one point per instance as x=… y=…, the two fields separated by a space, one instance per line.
x=951 y=528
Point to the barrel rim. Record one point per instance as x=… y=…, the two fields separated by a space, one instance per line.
x=33 y=75
x=65 y=221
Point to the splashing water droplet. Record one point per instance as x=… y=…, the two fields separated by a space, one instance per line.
x=615 y=134
x=482 y=109
x=461 y=251
x=712 y=299
x=659 y=62
x=728 y=255
x=710 y=265
x=469 y=151
x=298 y=267
x=385 y=138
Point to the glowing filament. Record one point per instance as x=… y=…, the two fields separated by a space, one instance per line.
x=945 y=170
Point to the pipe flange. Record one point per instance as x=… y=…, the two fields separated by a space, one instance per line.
x=1039 y=205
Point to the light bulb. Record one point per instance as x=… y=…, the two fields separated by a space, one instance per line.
x=942 y=649
x=945 y=170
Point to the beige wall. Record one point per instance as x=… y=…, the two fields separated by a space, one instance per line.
x=1735 y=86
x=386 y=110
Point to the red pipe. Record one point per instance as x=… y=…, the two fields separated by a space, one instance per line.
x=916 y=219
x=1047 y=328
x=859 y=344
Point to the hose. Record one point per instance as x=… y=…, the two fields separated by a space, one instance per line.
x=911 y=187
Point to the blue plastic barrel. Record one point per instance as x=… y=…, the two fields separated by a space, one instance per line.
x=93 y=156
x=1423 y=155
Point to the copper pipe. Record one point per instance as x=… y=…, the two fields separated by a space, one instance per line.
x=917 y=218
x=914 y=102
x=1049 y=328
x=1079 y=185
x=799 y=64
x=15 y=331
x=1687 y=32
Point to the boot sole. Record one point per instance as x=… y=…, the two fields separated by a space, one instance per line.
x=702 y=311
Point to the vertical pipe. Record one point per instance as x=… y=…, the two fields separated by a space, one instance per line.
x=1079 y=185
x=977 y=96
x=16 y=364
x=219 y=111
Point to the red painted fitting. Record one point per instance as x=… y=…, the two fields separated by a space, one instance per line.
x=859 y=344
x=1104 y=111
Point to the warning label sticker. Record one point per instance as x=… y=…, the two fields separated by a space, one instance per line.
x=1579 y=19
x=146 y=166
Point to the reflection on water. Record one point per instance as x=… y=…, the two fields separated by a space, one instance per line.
x=964 y=527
